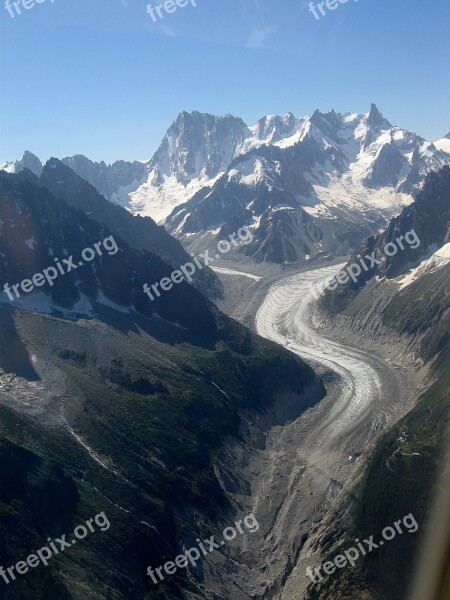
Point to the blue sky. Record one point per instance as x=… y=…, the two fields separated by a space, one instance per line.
x=98 y=77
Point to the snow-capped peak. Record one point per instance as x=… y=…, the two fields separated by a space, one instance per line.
x=444 y=143
x=28 y=161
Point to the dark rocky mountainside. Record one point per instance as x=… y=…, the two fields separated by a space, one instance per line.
x=108 y=179
x=428 y=216
x=139 y=232
x=407 y=314
x=122 y=408
x=37 y=228
x=286 y=232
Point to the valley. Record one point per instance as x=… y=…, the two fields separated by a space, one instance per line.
x=225 y=301
x=306 y=467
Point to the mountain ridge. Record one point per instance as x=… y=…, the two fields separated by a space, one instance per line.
x=189 y=126
x=428 y=217
x=307 y=187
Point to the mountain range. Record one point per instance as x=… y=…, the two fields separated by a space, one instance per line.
x=110 y=402
x=308 y=187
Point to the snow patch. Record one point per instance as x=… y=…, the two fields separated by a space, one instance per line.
x=437 y=260
x=225 y=271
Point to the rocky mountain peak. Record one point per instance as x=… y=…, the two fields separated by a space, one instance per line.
x=274 y=127
x=375 y=118
x=29 y=161
x=198 y=145
x=109 y=180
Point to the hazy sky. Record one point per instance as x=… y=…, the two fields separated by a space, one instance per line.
x=100 y=78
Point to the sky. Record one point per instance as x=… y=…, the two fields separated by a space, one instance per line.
x=101 y=78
